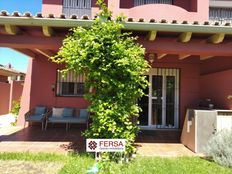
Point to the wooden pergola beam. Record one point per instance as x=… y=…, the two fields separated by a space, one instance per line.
x=216 y=38
x=152 y=35
x=167 y=46
x=184 y=56
x=205 y=57
x=45 y=53
x=160 y=56
x=12 y=29
x=31 y=42
x=48 y=31
x=185 y=37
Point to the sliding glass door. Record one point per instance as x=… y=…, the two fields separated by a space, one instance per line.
x=161 y=104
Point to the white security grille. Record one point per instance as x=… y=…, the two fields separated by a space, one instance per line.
x=143 y=2
x=77 y=7
x=222 y=15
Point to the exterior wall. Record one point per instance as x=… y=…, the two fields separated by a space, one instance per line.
x=194 y=85
x=26 y=95
x=15 y=91
x=52 y=7
x=8 y=93
x=217 y=86
x=193 y=10
x=4 y=98
x=3 y=79
x=41 y=76
x=216 y=64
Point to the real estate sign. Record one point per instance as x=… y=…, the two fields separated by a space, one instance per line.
x=105 y=145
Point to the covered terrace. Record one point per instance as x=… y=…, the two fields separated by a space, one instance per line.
x=201 y=50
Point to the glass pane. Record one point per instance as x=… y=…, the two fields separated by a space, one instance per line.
x=80 y=88
x=170 y=101
x=143 y=103
x=67 y=88
x=157 y=86
x=156 y=112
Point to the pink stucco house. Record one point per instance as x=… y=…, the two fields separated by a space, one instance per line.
x=188 y=44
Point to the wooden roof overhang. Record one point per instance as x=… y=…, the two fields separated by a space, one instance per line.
x=8 y=72
x=33 y=35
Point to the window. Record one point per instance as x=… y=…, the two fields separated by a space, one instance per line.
x=71 y=84
x=77 y=7
x=143 y=2
x=220 y=14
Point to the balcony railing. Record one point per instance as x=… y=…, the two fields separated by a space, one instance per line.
x=143 y=2
x=222 y=15
x=77 y=7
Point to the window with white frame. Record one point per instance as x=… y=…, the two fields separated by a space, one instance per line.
x=70 y=84
x=143 y=2
x=77 y=7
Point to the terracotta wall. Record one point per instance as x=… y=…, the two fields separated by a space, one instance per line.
x=8 y=93
x=187 y=5
x=41 y=75
x=15 y=92
x=3 y=79
x=217 y=86
x=216 y=64
x=4 y=98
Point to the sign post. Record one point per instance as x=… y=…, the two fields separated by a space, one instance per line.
x=105 y=145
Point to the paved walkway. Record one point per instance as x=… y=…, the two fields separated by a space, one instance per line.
x=164 y=150
x=6 y=120
x=57 y=140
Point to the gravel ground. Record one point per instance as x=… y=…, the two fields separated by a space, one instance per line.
x=29 y=167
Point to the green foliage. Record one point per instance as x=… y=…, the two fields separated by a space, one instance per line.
x=142 y=165
x=219 y=148
x=113 y=64
x=15 y=107
x=15 y=110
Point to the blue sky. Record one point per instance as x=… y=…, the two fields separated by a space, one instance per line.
x=17 y=60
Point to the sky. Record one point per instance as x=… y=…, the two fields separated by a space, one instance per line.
x=16 y=59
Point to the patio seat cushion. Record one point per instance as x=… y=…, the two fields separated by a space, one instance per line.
x=84 y=114
x=35 y=118
x=66 y=120
x=40 y=110
x=68 y=112
x=57 y=112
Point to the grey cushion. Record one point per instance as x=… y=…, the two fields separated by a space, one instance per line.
x=57 y=112
x=39 y=110
x=84 y=114
x=68 y=112
x=35 y=118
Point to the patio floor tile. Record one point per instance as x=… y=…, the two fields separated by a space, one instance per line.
x=57 y=140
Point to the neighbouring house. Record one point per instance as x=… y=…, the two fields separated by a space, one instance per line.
x=188 y=44
x=11 y=87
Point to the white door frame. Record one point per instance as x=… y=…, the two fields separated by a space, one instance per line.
x=163 y=72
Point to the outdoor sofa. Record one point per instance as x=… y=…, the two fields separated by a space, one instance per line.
x=36 y=114
x=67 y=116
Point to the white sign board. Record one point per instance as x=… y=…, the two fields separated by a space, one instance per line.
x=105 y=145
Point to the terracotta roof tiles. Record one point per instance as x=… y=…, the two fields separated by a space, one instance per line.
x=85 y=17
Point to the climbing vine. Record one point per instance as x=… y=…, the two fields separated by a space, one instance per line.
x=113 y=64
